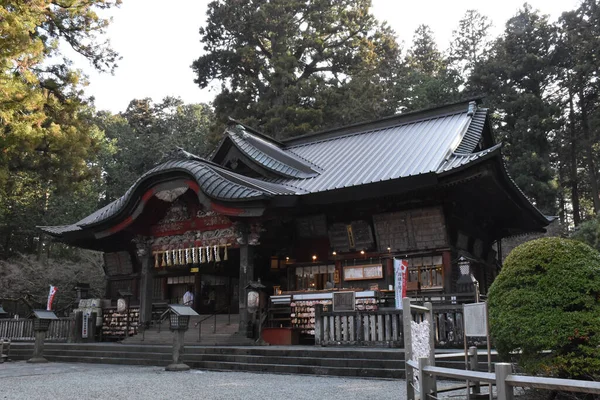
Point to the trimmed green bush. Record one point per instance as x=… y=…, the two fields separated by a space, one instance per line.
x=547 y=297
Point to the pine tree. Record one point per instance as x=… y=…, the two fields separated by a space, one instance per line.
x=290 y=66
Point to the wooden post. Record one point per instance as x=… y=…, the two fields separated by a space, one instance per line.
x=246 y=275
x=429 y=319
x=426 y=388
x=318 y=325
x=144 y=255
x=473 y=366
x=406 y=319
x=504 y=391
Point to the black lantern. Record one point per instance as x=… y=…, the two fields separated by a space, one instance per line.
x=179 y=318
x=42 y=319
x=179 y=322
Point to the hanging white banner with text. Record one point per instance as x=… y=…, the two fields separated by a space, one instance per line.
x=400 y=272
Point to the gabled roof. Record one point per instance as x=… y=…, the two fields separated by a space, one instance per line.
x=396 y=147
x=268 y=154
x=433 y=143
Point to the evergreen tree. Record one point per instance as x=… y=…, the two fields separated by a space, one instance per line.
x=47 y=137
x=580 y=68
x=427 y=80
x=290 y=66
x=518 y=77
x=145 y=133
x=470 y=42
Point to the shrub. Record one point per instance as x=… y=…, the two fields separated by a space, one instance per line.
x=547 y=297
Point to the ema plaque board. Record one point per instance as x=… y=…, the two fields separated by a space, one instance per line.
x=475 y=319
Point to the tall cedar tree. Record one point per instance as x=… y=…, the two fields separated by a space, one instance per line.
x=48 y=143
x=470 y=43
x=517 y=77
x=291 y=66
x=580 y=40
x=427 y=79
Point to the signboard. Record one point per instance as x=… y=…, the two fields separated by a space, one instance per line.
x=363 y=272
x=346 y=237
x=422 y=228
x=84 y=325
x=312 y=226
x=400 y=278
x=344 y=301
x=475 y=319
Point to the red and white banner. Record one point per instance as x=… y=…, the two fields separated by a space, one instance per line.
x=51 y=294
x=400 y=272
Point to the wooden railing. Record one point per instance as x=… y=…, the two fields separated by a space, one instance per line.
x=22 y=329
x=503 y=378
x=384 y=327
x=375 y=328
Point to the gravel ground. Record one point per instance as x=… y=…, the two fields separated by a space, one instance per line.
x=19 y=380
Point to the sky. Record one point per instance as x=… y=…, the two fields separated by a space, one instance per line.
x=158 y=43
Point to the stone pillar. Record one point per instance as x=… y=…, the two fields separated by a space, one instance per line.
x=144 y=255
x=178 y=342
x=38 y=348
x=246 y=275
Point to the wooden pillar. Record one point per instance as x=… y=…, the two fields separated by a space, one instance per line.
x=246 y=275
x=144 y=255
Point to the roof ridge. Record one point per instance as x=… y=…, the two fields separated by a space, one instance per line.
x=381 y=128
x=462 y=105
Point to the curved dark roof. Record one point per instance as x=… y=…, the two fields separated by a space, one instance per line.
x=214 y=181
x=435 y=142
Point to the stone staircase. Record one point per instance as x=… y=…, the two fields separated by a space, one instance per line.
x=348 y=362
x=225 y=334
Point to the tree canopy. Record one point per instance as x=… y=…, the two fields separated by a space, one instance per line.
x=291 y=66
x=48 y=139
x=547 y=297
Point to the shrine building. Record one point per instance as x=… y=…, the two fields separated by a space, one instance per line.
x=316 y=214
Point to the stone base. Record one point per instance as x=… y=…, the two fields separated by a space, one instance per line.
x=177 y=367
x=37 y=360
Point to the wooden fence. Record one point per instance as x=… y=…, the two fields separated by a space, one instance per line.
x=22 y=329
x=375 y=328
x=384 y=327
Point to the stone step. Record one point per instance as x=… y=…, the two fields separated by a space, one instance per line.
x=266 y=351
x=350 y=362
x=301 y=369
x=231 y=358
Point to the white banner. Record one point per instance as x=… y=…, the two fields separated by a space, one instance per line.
x=51 y=294
x=400 y=272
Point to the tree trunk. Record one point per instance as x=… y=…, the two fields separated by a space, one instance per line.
x=589 y=142
x=573 y=163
